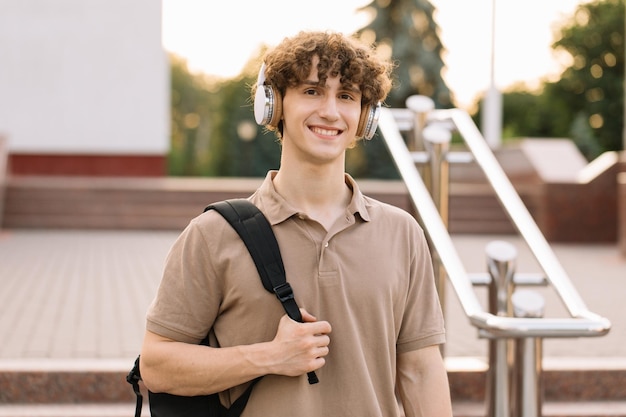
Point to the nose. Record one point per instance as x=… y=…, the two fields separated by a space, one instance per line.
x=328 y=108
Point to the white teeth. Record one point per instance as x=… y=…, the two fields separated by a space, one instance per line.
x=325 y=132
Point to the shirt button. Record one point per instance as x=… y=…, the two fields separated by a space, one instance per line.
x=326 y=244
x=301 y=216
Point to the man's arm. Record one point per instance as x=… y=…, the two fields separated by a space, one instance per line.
x=423 y=383
x=186 y=369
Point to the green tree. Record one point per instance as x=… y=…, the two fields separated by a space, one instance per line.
x=586 y=103
x=593 y=84
x=240 y=147
x=213 y=129
x=531 y=114
x=191 y=102
x=407 y=30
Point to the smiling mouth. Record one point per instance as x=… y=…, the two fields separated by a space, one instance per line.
x=325 y=132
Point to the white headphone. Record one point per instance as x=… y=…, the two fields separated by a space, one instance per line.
x=268 y=109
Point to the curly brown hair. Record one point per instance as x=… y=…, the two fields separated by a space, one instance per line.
x=289 y=64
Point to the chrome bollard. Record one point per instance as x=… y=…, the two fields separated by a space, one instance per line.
x=501 y=267
x=421 y=106
x=527 y=393
x=437 y=143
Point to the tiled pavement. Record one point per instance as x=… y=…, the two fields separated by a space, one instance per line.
x=82 y=295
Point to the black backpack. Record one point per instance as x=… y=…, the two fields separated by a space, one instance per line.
x=257 y=234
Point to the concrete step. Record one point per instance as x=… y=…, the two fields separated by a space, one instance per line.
x=562 y=380
x=575 y=387
x=459 y=409
x=552 y=409
x=70 y=410
x=93 y=388
x=60 y=381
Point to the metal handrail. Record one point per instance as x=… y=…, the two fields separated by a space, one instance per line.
x=582 y=323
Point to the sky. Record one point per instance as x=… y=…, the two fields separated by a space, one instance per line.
x=220 y=39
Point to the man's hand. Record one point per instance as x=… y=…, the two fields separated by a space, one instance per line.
x=300 y=347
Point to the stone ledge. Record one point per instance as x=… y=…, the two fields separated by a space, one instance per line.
x=552 y=409
x=71 y=410
x=460 y=409
x=104 y=381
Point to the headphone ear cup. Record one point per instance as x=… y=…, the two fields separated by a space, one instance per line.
x=268 y=106
x=263 y=104
x=368 y=122
x=277 y=111
x=362 y=121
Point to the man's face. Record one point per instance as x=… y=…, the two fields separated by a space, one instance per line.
x=320 y=121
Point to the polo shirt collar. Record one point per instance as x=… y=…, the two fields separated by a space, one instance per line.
x=277 y=210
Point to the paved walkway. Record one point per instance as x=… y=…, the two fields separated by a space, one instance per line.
x=83 y=294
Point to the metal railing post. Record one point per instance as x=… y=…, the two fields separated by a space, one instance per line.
x=501 y=267
x=527 y=393
x=436 y=142
x=437 y=145
x=421 y=106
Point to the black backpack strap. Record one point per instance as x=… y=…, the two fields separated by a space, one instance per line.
x=237 y=407
x=133 y=378
x=256 y=232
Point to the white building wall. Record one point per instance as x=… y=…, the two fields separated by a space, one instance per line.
x=83 y=77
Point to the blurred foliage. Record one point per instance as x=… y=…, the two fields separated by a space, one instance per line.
x=213 y=127
x=240 y=148
x=586 y=103
x=405 y=31
x=191 y=101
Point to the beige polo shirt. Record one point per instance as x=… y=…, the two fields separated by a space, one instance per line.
x=370 y=276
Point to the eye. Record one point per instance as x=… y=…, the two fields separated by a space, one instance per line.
x=347 y=96
x=310 y=91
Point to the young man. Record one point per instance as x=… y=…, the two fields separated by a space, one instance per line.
x=360 y=269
